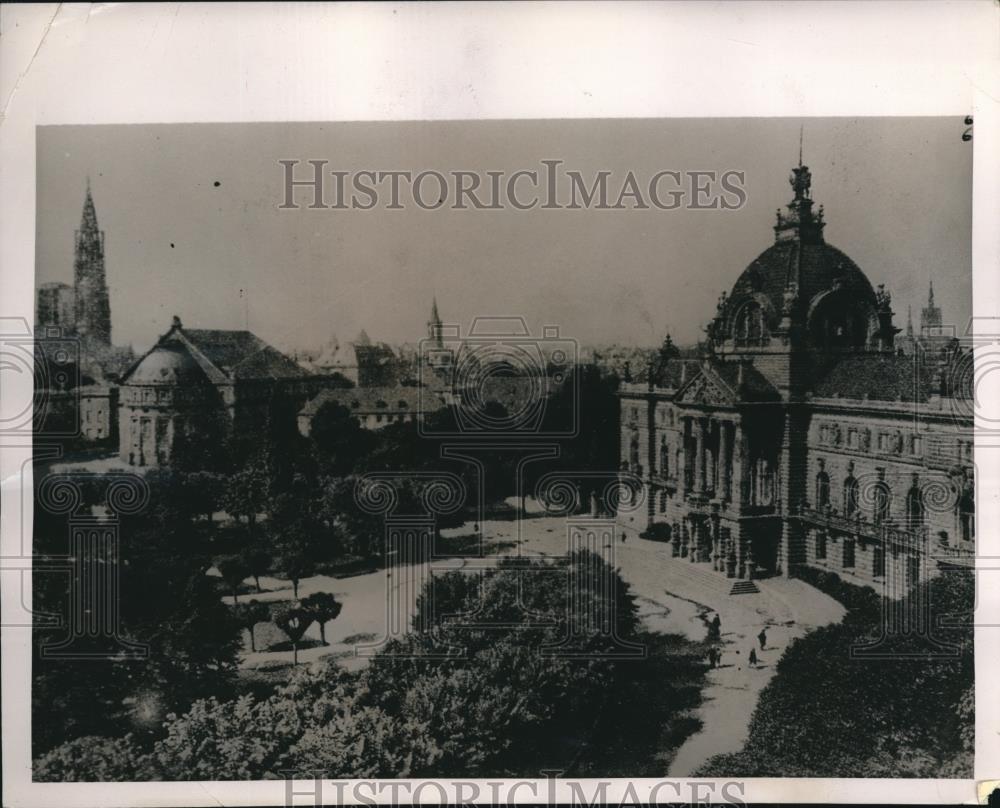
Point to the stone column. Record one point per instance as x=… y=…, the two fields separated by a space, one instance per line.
x=740 y=451
x=700 y=471
x=726 y=459
x=717 y=551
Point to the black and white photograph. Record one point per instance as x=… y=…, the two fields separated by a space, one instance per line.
x=579 y=451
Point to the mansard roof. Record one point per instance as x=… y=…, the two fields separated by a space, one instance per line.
x=894 y=377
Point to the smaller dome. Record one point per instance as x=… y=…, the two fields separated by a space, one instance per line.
x=167 y=365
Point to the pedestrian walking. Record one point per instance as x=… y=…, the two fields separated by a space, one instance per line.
x=717 y=622
x=753 y=657
x=763 y=638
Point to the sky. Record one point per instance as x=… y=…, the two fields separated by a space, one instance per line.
x=193 y=228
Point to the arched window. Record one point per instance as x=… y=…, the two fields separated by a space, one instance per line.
x=881 y=501
x=664 y=457
x=822 y=489
x=762 y=482
x=751 y=328
x=914 y=508
x=850 y=495
x=633 y=454
x=966 y=516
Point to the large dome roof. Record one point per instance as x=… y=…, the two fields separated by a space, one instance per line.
x=815 y=268
x=167 y=364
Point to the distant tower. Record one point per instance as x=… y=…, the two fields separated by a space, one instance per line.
x=434 y=327
x=93 y=311
x=56 y=307
x=930 y=316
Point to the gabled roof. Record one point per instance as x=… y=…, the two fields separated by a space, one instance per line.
x=226 y=356
x=726 y=384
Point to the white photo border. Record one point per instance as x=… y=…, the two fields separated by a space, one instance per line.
x=161 y=63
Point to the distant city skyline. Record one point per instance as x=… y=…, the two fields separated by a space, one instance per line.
x=193 y=227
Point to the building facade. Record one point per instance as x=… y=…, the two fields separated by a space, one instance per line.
x=197 y=388
x=804 y=436
x=374 y=407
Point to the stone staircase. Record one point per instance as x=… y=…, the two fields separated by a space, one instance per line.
x=707 y=579
x=702 y=576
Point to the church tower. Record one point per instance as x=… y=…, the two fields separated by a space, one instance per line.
x=93 y=310
x=930 y=316
x=434 y=327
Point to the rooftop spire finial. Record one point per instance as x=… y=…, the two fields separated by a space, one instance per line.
x=930 y=295
x=800 y=145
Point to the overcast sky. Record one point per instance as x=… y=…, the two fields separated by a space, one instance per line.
x=192 y=224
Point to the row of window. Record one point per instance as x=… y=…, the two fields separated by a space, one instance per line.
x=881 y=503
x=848 y=559
x=860 y=439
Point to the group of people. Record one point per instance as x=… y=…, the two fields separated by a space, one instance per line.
x=715 y=652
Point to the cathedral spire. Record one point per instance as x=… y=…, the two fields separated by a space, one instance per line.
x=93 y=310
x=930 y=296
x=909 y=321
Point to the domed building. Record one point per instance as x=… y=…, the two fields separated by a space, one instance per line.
x=804 y=437
x=195 y=388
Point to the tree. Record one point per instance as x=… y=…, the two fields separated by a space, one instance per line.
x=296 y=561
x=205 y=491
x=166 y=603
x=814 y=720
x=249 y=615
x=339 y=440
x=92 y=759
x=324 y=607
x=246 y=494
x=234 y=570
x=258 y=562
x=293 y=620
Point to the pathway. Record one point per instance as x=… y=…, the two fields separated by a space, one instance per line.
x=673 y=596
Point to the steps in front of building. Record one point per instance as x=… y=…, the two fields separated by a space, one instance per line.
x=744 y=588
x=702 y=574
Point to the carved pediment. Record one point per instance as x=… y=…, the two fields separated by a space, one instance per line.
x=706 y=389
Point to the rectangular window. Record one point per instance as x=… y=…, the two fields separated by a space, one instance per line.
x=848 y=553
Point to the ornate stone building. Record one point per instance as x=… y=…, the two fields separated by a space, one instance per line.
x=198 y=387
x=804 y=436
